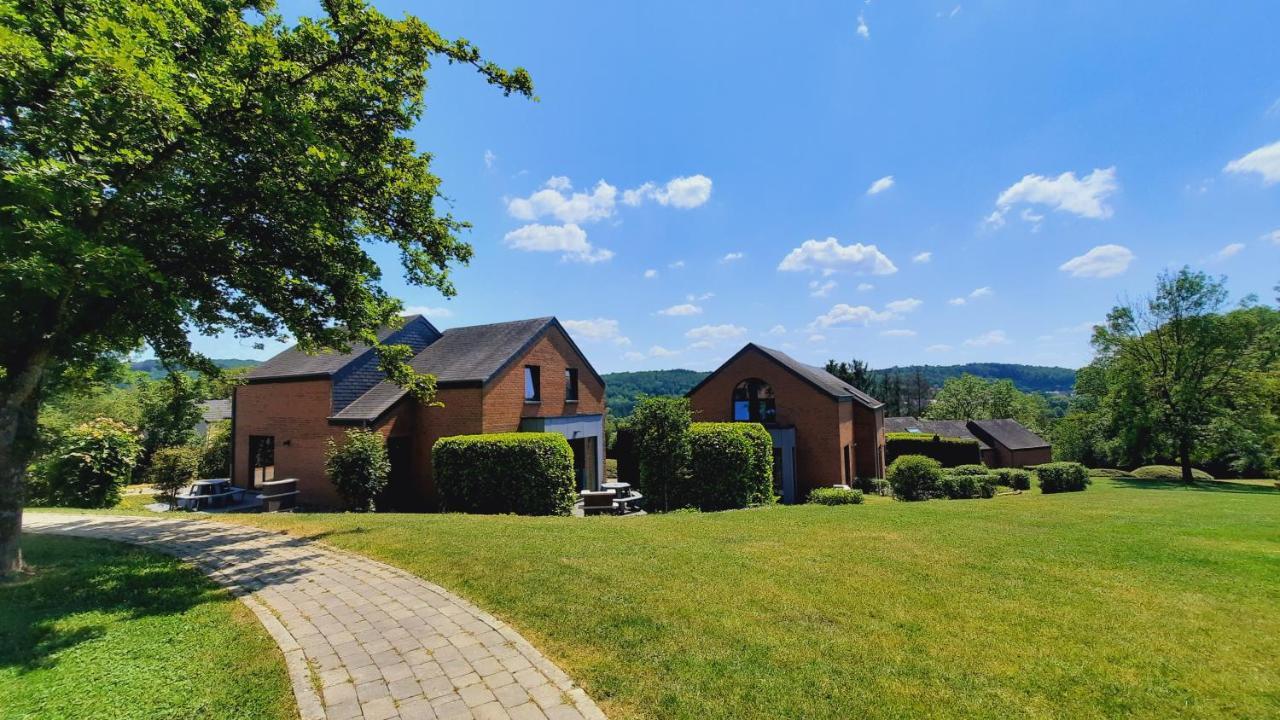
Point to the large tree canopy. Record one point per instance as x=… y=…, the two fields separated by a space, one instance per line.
x=176 y=166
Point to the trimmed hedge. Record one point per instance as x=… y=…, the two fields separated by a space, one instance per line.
x=915 y=477
x=1058 y=477
x=963 y=487
x=1015 y=478
x=1168 y=472
x=835 y=496
x=947 y=451
x=730 y=465
x=969 y=470
x=522 y=473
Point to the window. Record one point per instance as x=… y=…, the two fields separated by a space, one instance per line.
x=532 y=383
x=262 y=459
x=571 y=385
x=848 y=467
x=753 y=402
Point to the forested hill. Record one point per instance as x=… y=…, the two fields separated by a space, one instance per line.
x=156 y=370
x=1027 y=378
x=624 y=387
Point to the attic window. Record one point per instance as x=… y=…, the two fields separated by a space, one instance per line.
x=753 y=402
x=571 y=385
x=532 y=383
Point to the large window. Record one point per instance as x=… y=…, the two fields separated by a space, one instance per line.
x=262 y=459
x=571 y=385
x=753 y=402
x=532 y=383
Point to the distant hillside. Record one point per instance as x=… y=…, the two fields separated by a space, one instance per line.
x=623 y=388
x=155 y=370
x=1027 y=378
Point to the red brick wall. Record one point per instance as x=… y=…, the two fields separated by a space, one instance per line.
x=1033 y=456
x=869 y=434
x=504 y=403
x=296 y=414
x=461 y=414
x=820 y=431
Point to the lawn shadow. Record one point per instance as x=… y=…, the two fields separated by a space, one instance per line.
x=73 y=577
x=1227 y=486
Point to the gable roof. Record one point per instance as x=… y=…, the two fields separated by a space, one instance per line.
x=815 y=376
x=463 y=357
x=215 y=410
x=942 y=428
x=1009 y=433
x=294 y=364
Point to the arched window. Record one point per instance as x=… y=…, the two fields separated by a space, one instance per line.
x=753 y=402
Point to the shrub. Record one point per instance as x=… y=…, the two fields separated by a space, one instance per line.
x=660 y=430
x=730 y=465
x=963 y=487
x=987 y=489
x=835 y=496
x=1016 y=478
x=969 y=470
x=915 y=477
x=359 y=468
x=946 y=450
x=1062 y=477
x=880 y=486
x=522 y=473
x=215 y=451
x=172 y=469
x=1168 y=472
x=89 y=466
x=1110 y=473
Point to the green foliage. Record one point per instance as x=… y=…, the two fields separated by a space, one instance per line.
x=1058 y=477
x=1027 y=378
x=1110 y=473
x=173 y=468
x=973 y=469
x=1167 y=472
x=169 y=410
x=946 y=450
x=730 y=465
x=1015 y=478
x=90 y=465
x=521 y=473
x=963 y=486
x=215 y=451
x=914 y=477
x=626 y=388
x=925 y=437
x=661 y=430
x=835 y=496
x=970 y=397
x=359 y=468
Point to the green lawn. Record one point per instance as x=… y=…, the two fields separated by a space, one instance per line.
x=1131 y=599
x=102 y=630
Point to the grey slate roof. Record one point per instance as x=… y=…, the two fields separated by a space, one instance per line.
x=462 y=356
x=823 y=380
x=943 y=428
x=293 y=363
x=1009 y=433
x=215 y=410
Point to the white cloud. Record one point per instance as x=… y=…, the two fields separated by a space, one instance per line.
x=817 y=338
x=923 y=257
x=699 y=298
x=1274 y=110
x=864 y=287
x=1103 y=261
x=430 y=312
x=716 y=332
x=489 y=158
x=880 y=185
x=732 y=256
x=1032 y=218
x=1085 y=197
x=956 y=301
x=682 y=192
x=1264 y=161
x=898 y=333
x=821 y=289
x=650 y=274
x=676 y=265
x=597 y=330
x=863 y=30
x=1273 y=236
x=1229 y=251
x=938 y=348
x=829 y=255
x=570 y=240
x=991 y=337
x=633 y=356
x=903 y=306
x=995 y=219
x=578 y=207
x=778 y=330
x=842 y=314
x=681 y=310
x=984 y=291
x=659 y=351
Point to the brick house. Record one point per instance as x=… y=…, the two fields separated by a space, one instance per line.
x=1001 y=443
x=526 y=375
x=825 y=431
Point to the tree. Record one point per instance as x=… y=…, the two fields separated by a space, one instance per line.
x=360 y=467
x=1186 y=356
x=173 y=468
x=661 y=428
x=202 y=166
x=170 y=409
x=969 y=397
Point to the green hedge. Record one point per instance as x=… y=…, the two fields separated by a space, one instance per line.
x=1016 y=478
x=1168 y=472
x=521 y=473
x=1058 y=477
x=1109 y=473
x=949 y=452
x=915 y=477
x=835 y=496
x=730 y=465
x=974 y=469
x=965 y=486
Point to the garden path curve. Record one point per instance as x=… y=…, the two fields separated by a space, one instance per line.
x=361 y=639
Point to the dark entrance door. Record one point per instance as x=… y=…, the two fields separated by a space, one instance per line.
x=401 y=494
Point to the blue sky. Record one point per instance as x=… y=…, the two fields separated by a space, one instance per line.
x=901 y=182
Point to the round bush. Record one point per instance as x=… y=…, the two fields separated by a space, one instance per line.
x=969 y=470
x=172 y=469
x=522 y=473
x=1015 y=478
x=89 y=466
x=835 y=496
x=359 y=468
x=1168 y=472
x=1062 y=477
x=915 y=477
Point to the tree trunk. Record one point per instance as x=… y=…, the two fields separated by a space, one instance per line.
x=1184 y=459
x=18 y=414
